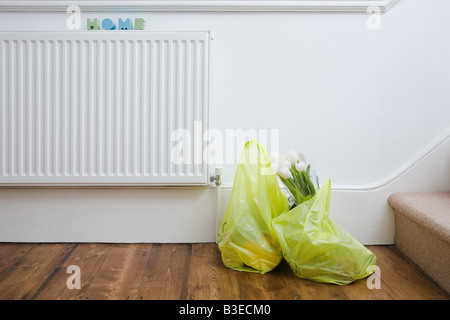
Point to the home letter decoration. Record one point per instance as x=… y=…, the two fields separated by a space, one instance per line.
x=139 y=24
x=93 y=25
x=124 y=25
x=108 y=24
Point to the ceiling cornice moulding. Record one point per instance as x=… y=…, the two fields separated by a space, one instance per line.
x=199 y=6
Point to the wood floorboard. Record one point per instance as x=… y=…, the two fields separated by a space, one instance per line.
x=405 y=278
x=32 y=271
x=10 y=254
x=129 y=290
x=89 y=257
x=166 y=272
x=185 y=272
x=302 y=289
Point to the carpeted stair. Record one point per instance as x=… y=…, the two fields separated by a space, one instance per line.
x=422 y=231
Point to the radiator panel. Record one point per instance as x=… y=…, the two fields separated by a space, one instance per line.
x=101 y=107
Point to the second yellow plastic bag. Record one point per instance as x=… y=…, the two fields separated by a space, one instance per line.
x=246 y=238
x=318 y=249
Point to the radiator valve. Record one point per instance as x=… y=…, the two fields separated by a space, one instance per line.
x=215 y=179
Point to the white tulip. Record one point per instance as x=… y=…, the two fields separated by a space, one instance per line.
x=275 y=162
x=275 y=158
x=292 y=157
x=300 y=166
x=275 y=166
x=284 y=172
x=301 y=157
x=285 y=163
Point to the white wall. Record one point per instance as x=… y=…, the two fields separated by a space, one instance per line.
x=363 y=103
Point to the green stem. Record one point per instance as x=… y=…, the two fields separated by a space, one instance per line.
x=304 y=184
x=310 y=185
x=298 y=180
x=296 y=193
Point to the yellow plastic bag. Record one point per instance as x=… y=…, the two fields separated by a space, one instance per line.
x=318 y=249
x=246 y=238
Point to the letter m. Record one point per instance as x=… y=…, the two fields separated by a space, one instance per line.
x=124 y=25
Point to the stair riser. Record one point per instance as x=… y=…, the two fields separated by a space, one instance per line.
x=428 y=251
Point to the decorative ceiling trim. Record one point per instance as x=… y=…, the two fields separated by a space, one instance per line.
x=201 y=5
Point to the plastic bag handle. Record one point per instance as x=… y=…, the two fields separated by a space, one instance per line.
x=246 y=156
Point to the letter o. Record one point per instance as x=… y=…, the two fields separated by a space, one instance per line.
x=108 y=24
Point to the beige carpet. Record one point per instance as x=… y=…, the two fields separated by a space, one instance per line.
x=422 y=231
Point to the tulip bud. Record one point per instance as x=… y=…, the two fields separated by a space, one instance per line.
x=284 y=172
x=275 y=158
x=292 y=157
x=301 y=157
x=275 y=166
x=300 y=166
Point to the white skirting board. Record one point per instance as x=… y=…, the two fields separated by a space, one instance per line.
x=189 y=215
x=107 y=215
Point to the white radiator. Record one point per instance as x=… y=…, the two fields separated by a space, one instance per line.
x=99 y=108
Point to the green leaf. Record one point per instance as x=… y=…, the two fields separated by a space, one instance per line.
x=298 y=196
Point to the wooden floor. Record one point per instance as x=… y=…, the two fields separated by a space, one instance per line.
x=184 y=271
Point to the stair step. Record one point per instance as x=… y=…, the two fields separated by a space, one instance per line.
x=429 y=209
x=422 y=231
